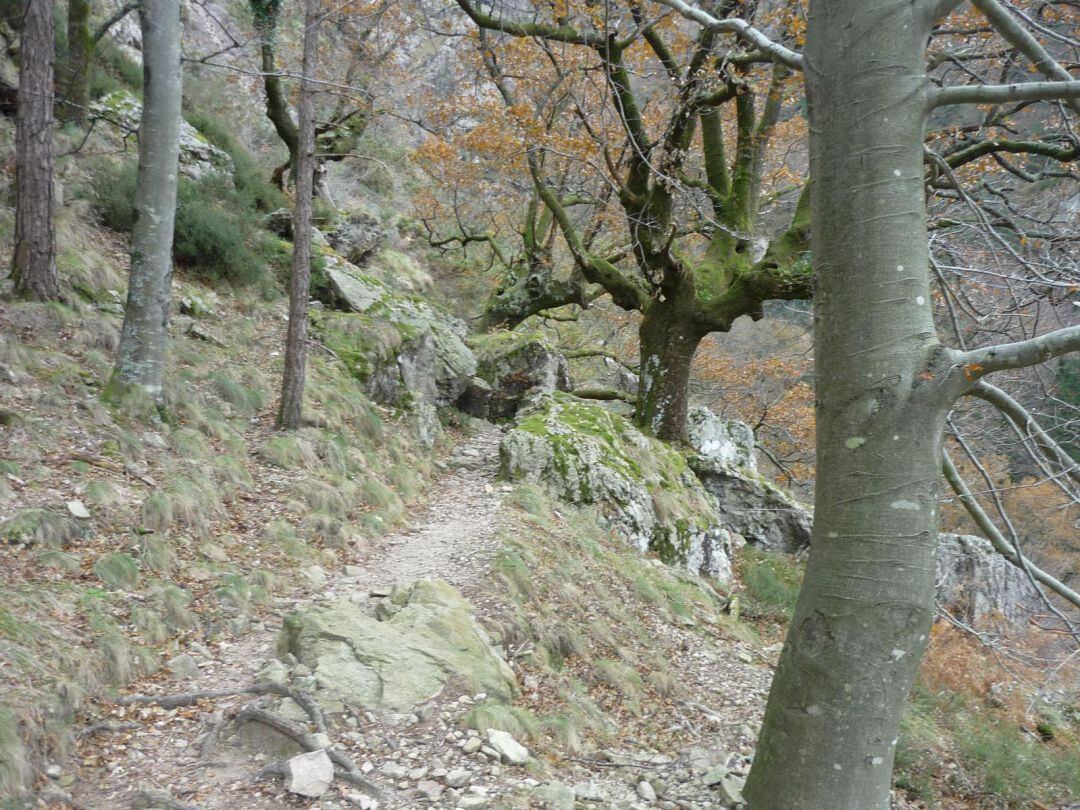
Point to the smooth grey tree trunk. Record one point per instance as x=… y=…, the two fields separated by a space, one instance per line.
x=884 y=387
x=292 y=383
x=140 y=361
x=34 y=257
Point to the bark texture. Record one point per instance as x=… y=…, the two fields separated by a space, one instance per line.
x=141 y=357
x=77 y=65
x=292 y=385
x=34 y=258
x=884 y=387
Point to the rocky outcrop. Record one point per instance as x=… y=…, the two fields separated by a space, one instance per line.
x=513 y=367
x=405 y=351
x=585 y=454
x=975 y=582
x=198 y=157
x=356 y=236
x=428 y=635
x=724 y=461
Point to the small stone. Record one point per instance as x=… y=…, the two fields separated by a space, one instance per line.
x=354 y=571
x=731 y=789
x=458 y=778
x=315 y=575
x=430 y=790
x=509 y=749
x=183 y=666
x=745 y=657
x=417 y=774
x=472 y=802
x=588 y=792
x=309 y=774
x=54 y=771
x=321 y=740
x=380 y=591
x=78 y=510
x=555 y=795
x=472 y=745
x=715 y=775
x=274 y=673
x=393 y=770
x=645 y=791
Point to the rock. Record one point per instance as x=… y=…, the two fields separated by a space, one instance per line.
x=198 y=157
x=403 y=661
x=183 y=666
x=459 y=777
x=315 y=575
x=279 y=222
x=78 y=510
x=646 y=791
x=194 y=306
x=583 y=453
x=309 y=774
x=54 y=771
x=404 y=351
x=356 y=236
x=555 y=795
x=472 y=802
x=715 y=775
x=974 y=581
x=472 y=745
x=730 y=788
x=476 y=400
x=589 y=792
x=510 y=750
x=200 y=332
x=430 y=790
x=517 y=366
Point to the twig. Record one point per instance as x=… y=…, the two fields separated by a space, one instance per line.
x=146 y=799
x=184 y=698
x=107 y=726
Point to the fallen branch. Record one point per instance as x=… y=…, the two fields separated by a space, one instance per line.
x=147 y=799
x=606 y=394
x=107 y=726
x=184 y=698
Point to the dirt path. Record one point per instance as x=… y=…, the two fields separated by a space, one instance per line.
x=451 y=538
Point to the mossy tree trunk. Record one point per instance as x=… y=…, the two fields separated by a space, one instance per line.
x=34 y=256
x=292 y=384
x=141 y=357
x=682 y=292
x=266 y=14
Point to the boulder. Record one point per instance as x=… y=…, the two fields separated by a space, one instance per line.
x=428 y=637
x=356 y=236
x=724 y=461
x=510 y=750
x=517 y=366
x=974 y=581
x=583 y=453
x=405 y=351
x=198 y=157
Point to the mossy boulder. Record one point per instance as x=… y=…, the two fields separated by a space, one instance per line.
x=514 y=366
x=584 y=453
x=429 y=636
x=198 y=157
x=405 y=351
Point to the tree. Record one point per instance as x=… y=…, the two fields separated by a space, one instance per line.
x=697 y=255
x=77 y=65
x=140 y=361
x=292 y=385
x=34 y=258
x=885 y=385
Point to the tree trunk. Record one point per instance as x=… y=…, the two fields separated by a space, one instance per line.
x=668 y=337
x=77 y=65
x=292 y=384
x=883 y=391
x=140 y=360
x=34 y=258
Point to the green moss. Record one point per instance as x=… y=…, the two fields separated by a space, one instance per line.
x=45 y=527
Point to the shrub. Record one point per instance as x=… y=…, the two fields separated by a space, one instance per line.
x=219 y=234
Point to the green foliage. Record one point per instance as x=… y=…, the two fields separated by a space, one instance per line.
x=219 y=234
x=248 y=177
x=512 y=719
x=40 y=527
x=118 y=570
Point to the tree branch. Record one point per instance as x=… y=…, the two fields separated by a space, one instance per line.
x=1003 y=93
x=1018 y=36
x=116 y=17
x=740 y=28
x=997 y=539
x=979 y=362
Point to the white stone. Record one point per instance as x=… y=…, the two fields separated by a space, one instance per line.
x=309 y=774
x=78 y=509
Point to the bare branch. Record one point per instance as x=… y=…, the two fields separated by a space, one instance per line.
x=1002 y=93
x=741 y=29
x=1022 y=354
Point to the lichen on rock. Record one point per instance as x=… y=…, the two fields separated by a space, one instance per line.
x=584 y=453
x=430 y=636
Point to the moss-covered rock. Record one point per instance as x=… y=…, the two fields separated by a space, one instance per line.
x=583 y=453
x=405 y=351
x=395 y=664
x=515 y=365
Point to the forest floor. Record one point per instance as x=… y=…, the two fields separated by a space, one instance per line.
x=127 y=750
